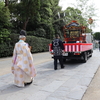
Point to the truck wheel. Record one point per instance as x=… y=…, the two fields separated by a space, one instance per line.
x=84 y=57
x=91 y=55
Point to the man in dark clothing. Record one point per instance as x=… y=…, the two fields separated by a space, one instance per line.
x=58 y=49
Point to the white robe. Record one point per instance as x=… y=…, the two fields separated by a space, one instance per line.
x=22 y=67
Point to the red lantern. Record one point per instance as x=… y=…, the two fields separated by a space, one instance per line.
x=90 y=21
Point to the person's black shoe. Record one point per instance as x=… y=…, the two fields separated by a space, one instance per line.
x=62 y=67
x=28 y=82
x=55 y=68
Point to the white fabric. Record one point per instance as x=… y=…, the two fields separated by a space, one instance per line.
x=22 y=67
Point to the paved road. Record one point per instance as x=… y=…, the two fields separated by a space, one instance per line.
x=5 y=63
x=69 y=83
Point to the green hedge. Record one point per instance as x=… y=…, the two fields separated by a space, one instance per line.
x=6 y=50
x=38 y=45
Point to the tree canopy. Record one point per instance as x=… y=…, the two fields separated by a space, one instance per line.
x=4 y=23
x=96 y=35
x=44 y=19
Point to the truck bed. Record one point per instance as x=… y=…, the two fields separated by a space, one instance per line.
x=76 y=47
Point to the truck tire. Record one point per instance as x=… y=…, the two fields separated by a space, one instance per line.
x=85 y=57
x=91 y=53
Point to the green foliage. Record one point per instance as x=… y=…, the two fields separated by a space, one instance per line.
x=25 y=11
x=4 y=16
x=4 y=33
x=46 y=18
x=38 y=45
x=4 y=23
x=40 y=32
x=6 y=50
x=50 y=20
x=96 y=36
x=36 y=16
x=74 y=14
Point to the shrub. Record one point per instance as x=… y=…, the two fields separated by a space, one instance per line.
x=38 y=45
x=6 y=50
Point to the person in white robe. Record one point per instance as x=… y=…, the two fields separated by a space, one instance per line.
x=22 y=63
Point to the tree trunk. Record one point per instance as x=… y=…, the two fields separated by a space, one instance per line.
x=6 y=2
x=25 y=23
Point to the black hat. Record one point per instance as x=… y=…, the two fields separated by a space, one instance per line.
x=23 y=32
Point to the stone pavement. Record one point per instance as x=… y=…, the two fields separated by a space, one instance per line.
x=69 y=83
x=93 y=91
x=5 y=63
